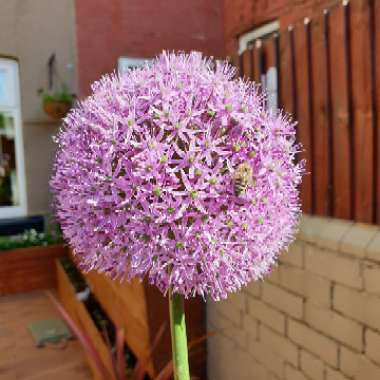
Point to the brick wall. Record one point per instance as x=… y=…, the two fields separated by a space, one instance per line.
x=317 y=316
x=108 y=29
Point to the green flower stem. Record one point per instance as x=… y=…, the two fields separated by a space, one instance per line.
x=179 y=338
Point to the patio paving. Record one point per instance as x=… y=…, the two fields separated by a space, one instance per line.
x=19 y=358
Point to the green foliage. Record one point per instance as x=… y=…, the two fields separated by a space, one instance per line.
x=62 y=95
x=2 y=121
x=30 y=238
x=5 y=188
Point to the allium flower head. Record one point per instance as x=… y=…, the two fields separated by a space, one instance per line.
x=179 y=172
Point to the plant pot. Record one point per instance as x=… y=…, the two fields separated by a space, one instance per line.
x=57 y=109
x=26 y=269
x=78 y=312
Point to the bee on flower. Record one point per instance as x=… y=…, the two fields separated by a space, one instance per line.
x=144 y=170
x=243 y=178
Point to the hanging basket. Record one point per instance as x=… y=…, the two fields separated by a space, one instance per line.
x=56 y=109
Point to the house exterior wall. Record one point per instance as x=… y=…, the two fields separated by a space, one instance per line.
x=31 y=30
x=110 y=29
x=315 y=317
x=101 y=31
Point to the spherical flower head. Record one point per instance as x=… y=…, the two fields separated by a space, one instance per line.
x=178 y=171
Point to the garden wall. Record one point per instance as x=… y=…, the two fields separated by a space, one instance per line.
x=317 y=316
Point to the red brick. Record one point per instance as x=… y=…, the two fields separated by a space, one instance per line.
x=107 y=30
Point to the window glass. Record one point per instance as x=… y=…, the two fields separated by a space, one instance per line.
x=9 y=188
x=3 y=84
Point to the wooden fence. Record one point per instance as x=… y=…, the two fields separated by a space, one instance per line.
x=329 y=79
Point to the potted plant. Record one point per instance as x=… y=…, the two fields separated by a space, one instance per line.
x=57 y=104
x=27 y=261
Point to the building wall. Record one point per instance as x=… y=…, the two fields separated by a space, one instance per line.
x=31 y=30
x=101 y=31
x=315 y=317
x=110 y=29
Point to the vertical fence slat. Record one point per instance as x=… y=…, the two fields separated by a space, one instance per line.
x=340 y=116
x=286 y=83
x=348 y=71
x=261 y=61
x=328 y=114
x=319 y=127
x=255 y=65
x=303 y=115
x=252 y=62
x=277 y=64
x=293 y=72
x=235 y=61
x=269 y=54
x=376 y=98
x=310 y=110
x=374 y=51
x=246 y=63
x=362 y=118
x=269 y=70
x=241 y=65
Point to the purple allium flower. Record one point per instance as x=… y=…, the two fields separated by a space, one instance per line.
x=145 y=177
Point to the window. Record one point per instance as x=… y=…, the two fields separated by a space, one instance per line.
x=260 y=42
x=12 y=178
x=126 y=63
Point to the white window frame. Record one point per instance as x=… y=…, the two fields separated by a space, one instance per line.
x=269 y=80
x=12 y=104
x=246 y=38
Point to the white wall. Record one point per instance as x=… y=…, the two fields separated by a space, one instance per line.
x=31 y=30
